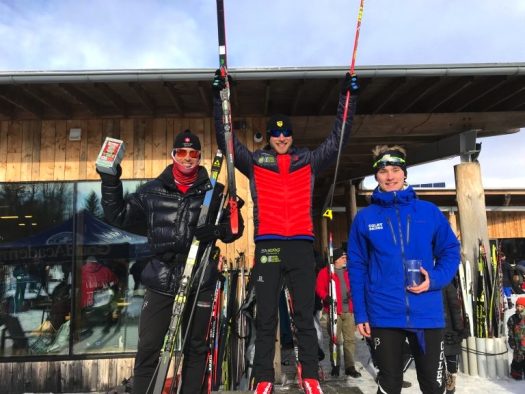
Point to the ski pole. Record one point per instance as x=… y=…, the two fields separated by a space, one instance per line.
x=328 y=212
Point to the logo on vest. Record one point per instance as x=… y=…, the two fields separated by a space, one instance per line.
x=267 y=159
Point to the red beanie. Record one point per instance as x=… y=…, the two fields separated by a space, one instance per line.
x=521 y=301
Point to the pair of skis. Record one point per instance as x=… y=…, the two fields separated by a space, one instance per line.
x=221 y=360
x=465 y=282
x=179 y=305
x=227 y=120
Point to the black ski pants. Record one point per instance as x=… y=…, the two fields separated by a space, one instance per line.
x=153 y=325
x=388 y=345
x=292 y=261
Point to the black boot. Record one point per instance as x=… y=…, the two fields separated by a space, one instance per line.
x=335 y=371
x=351 y=371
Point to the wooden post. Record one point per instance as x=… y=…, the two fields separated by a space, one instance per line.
x=452 y=220
x=351 y=201
x=472 y=212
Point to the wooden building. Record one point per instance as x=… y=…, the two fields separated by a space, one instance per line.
x=52 y=125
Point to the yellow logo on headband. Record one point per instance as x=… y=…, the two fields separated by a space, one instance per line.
x=280 y=123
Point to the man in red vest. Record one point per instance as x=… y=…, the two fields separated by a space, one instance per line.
x=281 y=183
x=345 y=332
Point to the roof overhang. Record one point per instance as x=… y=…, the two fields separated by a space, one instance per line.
x=436 y=111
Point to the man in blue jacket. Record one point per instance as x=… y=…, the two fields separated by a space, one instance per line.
x=396 y=227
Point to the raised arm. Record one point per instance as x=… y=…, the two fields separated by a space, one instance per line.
x=243 y=157
x=123 y=213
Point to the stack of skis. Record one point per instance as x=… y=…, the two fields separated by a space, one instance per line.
x=482 y=297
x=484 y=305
x=228 y=329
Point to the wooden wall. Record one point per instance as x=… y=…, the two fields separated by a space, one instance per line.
x=501 y=224
x=65 y=376
x=42 y=151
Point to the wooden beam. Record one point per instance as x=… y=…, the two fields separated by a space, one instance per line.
x=91 y=105
x=267 y=97
x=297 y=97
x=7 y=109
x=144 y=97
x=116 y=99
x=468 y=81
x=175 y=99
x=327 y=95
x=489 y=89
x=503 y=99
x=205 y=97
x=17 y=97
x=382 y=101
x=424 y=88
x=46 y=98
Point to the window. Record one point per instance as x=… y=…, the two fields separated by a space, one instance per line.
x=53 y=239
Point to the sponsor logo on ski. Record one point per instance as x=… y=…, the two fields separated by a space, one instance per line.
x=375 y=226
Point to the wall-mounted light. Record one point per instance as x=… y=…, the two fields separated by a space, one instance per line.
x=75 y=134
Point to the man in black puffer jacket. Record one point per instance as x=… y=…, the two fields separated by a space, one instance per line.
x=167 y=209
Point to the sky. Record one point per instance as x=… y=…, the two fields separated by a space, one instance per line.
x=40 y=35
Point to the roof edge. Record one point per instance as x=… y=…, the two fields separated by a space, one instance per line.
x=415 y=70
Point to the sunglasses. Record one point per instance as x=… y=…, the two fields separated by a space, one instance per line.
x=182 y=153
x=277 y=133
x=389 y=160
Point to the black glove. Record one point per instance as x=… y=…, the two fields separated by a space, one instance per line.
x=219 y=82
x=111 y=180
x=328 y=300
x=209 y=232
x=350 y=84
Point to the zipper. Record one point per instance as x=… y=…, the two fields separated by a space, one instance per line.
x=408 y=229
x=402 y=246
x=392 y=230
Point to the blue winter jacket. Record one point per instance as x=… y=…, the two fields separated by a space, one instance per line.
x=398 y=226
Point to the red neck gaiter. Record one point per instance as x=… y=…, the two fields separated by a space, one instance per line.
x=184 y=177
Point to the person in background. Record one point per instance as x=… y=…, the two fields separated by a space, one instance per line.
x=167 y=208
x=281 y=183
x=516 y=333
x=394 y=228
x=345 y=331
x=453 y=334
x=21 y=277
x=517 y=282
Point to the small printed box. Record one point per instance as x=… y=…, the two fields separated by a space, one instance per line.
x=111 y=154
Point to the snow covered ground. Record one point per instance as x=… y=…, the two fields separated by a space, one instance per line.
x=465 y=383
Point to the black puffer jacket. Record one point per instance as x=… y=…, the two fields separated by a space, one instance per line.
x=455 y=329
x=168 y=218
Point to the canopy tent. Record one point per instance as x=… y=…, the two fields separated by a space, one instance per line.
x=82 y=234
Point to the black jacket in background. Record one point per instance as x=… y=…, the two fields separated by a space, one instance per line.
x=454 y=323
x=168 y=217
